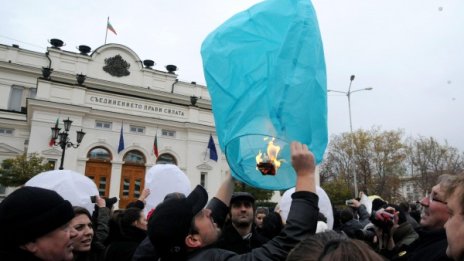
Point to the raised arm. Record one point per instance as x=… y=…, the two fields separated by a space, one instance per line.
x=305 y=167
x=226 y=189
x=219 y=204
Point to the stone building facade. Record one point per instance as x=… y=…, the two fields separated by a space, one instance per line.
x=106 y=92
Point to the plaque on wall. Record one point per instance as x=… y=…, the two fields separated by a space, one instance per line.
x=116 y=66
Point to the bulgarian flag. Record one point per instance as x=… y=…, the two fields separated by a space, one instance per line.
x=52 y=140
x=110 y=27
x=155 y=146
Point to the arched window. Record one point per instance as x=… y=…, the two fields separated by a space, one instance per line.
x=134 y=157
x=99 y=153
x=98 y=169
x=166 y=158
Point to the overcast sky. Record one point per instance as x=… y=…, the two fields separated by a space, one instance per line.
x=409 y=51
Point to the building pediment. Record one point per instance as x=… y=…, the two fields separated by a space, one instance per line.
x=51 y=152
x=204 y=166
x=6 y=149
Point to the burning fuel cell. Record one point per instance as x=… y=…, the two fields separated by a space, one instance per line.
x=268 y=163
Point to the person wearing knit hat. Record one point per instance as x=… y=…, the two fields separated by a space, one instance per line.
x=34 y=225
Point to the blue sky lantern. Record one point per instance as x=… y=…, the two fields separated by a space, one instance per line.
x=266 y=75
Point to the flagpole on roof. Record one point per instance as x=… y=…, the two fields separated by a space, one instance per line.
x=106 y=29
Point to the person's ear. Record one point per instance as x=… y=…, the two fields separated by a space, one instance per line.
x=30 y=247
x=193 y=241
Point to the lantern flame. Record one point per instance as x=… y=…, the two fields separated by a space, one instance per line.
x=268 y=162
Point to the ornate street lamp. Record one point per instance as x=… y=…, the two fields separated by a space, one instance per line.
x=64 y=141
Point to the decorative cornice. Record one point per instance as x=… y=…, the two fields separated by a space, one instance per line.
x=6 y=149
x=204 y=166
x=51 y=152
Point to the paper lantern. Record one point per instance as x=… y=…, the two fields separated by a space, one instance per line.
x=325 y=207
x=265 y=72
x=72 y=186
x=163 y=179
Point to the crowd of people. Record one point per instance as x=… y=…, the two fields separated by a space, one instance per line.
x=38 y=224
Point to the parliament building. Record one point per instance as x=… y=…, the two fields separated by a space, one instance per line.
x=110 y=94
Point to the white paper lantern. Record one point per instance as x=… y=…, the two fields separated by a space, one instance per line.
x=163 y=179
x=325 y=207
x=72 y=186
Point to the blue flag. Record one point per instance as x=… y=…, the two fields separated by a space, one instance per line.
x=212 y=149
x=266 y=74
x=121 y=141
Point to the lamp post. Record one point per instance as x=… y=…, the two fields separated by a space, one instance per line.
x=64 y=141
x=348 y=95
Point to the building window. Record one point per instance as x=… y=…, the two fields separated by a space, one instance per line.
x=168 y=133
x=134 y=157
x=166 y=158
x=99 y=153
x=16 y=95
x=6 y=132
x=137 y=129
x=51 y=163
x=102 y=124
x=203 y=176
x=408 y=188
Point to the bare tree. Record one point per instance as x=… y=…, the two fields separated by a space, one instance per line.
x=378 y=159
x=428 y=159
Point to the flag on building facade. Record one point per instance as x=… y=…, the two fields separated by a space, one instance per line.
x=155 y=146
x=212 y=149
x=52 y=140
x=121 y=140
x=110 y=27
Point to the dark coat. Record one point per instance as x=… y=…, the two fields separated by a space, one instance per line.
x=17 y=255
x=405 y=234
x=123 y=247
x=350 y=227
x=233 y=241
x=430 y=246
x=301 y=222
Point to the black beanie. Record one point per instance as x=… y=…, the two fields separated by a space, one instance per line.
x=30 y=213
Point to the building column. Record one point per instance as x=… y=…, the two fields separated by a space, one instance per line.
x=115 y=182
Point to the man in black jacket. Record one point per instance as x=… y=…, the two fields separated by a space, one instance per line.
x=240 y=235
x=183 y=230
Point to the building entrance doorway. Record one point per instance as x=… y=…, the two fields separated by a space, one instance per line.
x=98 y=168
x=132 y=177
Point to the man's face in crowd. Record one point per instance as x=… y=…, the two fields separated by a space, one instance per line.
x=455 y=226
x=434 y=212
x=241 y=213
x=54 y=246
x=206 y=228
